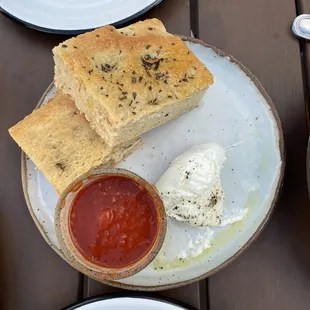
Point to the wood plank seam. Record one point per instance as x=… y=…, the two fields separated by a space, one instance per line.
x=194 y=21
x=304 y=48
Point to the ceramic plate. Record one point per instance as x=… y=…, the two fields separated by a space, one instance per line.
x=236 y=113
x=129 y=302
x=74 y=16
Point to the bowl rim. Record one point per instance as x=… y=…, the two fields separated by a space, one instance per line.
x=68 y=247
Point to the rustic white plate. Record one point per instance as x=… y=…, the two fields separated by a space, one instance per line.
x=130 y=302
x=236 y=113
x=74 y=16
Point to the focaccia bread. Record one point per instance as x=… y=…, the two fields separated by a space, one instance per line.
x=130 y=80
x=60 y=142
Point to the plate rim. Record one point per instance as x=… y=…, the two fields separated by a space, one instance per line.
x=138 y=295
x=76 y=31
x=281 y=147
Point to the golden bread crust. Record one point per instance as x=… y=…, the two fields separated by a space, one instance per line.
x=133 y=71
x=61 y=143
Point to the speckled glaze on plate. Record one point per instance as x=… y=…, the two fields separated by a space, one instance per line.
x=236 y=113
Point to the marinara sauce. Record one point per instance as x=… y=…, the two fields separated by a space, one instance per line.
x=113 y=221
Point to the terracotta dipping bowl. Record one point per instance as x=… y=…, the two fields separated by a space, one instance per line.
x=63 y=228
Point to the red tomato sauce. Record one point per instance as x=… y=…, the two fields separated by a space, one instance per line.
x=113 y=221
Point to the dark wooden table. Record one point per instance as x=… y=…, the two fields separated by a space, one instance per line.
x=274 y=272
